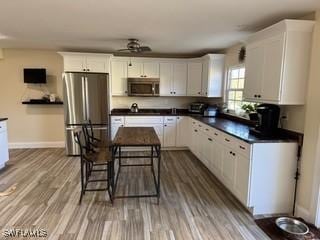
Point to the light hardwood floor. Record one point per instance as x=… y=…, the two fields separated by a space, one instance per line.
x=193 y=205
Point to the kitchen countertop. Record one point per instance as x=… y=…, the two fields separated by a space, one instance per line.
x=3 y=119
x=232 y=127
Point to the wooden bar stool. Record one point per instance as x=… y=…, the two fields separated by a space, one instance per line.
x=89 y=162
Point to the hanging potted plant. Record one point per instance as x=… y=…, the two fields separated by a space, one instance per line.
x=250 y=109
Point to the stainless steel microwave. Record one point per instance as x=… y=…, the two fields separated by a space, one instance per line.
x=145 y=87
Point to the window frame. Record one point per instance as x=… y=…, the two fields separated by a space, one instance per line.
x=228 y=89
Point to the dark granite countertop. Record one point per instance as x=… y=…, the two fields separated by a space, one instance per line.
x=3 y=119
x=241 y=131
x=232 y=127
x=150 y=112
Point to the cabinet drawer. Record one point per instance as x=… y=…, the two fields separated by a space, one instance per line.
x=143 y=120
x=117 y=120
x=170 y=120
x=3 y=126
x=243 y=148
x=228 y=140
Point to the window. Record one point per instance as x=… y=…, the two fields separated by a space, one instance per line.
x=236 y=76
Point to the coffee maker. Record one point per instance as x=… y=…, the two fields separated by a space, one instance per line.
x=268 y=120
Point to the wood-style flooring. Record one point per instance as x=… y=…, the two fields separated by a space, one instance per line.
x=193 y=205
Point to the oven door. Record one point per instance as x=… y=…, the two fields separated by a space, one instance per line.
x=143 y=87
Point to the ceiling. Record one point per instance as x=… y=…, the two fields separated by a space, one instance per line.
x=167 y=26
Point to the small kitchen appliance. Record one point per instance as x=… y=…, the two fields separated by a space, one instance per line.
x=210 y=111
x=268 y=115
x=144 y=87
x=197 y=107
x=134 y=108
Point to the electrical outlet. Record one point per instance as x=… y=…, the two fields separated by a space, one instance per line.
x=285 y=117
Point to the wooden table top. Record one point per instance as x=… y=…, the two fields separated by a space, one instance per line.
x=136 y=136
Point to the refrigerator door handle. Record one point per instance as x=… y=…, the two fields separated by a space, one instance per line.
x=87 y=97
x=84 y=107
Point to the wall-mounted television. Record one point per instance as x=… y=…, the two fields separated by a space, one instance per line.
x=34 y=75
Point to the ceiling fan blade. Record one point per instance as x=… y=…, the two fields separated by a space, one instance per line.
x=145 y=49
x=123 y=50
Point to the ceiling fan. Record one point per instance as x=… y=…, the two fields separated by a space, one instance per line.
x=133 y=46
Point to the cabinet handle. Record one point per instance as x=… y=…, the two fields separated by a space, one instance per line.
x=233 y=154
x=242 y=147
x=216 y=134
x=230 y=152
x=125 y=91
x=170 y=92
x=141 y=75
x=178 y=118
x=88 y=69
x=255 y=95
x=259 y=96
x=227 y=139
x=199 y=93
x=210 y=139
x=84 y=69
x=207 y=129
x=196 y=130
x=165 y=125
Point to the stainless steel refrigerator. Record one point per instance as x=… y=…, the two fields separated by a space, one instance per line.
x=86 y=97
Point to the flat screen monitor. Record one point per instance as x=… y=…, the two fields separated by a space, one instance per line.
x=34 y=75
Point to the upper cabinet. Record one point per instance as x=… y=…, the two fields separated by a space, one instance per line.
x=277 y=63
x=119 y=75
x=139 y=69
x=173 y=79
x=194 y=78
x=212 y=75
x=200 y=77
x=86 y=62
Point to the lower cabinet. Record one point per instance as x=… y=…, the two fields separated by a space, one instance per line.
x=4 y=153
x=228 y=167
x=183 y=131
x=169 y=135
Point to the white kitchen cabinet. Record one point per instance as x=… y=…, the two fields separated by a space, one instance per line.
x=180 y=76
x=173 y=79
x=143 y=68
x=114 y=129
x=277 y=63
x=4 y=153
x=212 y=75
x=228 y=167
x=241 y=179
x=194 y=78
x=169 y=131
x=119 y=74
x=86 y=62
x=183 y=131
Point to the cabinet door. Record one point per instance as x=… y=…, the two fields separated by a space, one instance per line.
x=166 y=77
x=228 y=168
x=242 y=171
x=4 y=153
x=272 y=73
x=74 y=63
x=180 y=76
x=216 y=153
x=135 y=70
x=194 y=79
x=151 y=69
x=182 y=132
x=119 y=76
x=169 y=136
x=254 y=71
x=97 y=64
x=114 y=130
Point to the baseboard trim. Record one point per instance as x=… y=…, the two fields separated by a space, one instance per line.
x=303 y=213
x=17 y=145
